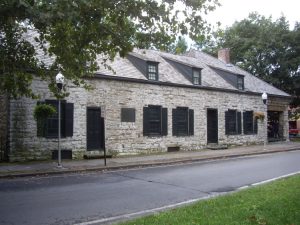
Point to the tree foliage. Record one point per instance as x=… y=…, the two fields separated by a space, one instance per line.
x=294 y=114
x=74 y=32
x=268 y=49
x=43 y=111
x=180 y=46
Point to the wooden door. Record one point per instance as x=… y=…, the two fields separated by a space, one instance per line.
x=95 y=129
x=212 y=126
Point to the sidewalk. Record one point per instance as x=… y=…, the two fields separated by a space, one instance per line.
x=8 y=170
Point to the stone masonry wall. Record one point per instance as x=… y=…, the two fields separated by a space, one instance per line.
x=127 y=138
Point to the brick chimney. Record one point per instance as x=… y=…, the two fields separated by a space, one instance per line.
x=224 y=55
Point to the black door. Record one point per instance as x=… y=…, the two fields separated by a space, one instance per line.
x=275 y=127
x=212 y=126
x=95 y=129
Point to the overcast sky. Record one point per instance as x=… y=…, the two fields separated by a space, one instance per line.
x=236 y=10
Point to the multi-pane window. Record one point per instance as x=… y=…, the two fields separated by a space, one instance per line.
x=52 y=122
x=232 y=122
x=152 y=71
x=249 y=123
x=183 y=121
x=240 y=82
x=49 y=127
x=196 y=76
x=154 y=116
x=155 y=120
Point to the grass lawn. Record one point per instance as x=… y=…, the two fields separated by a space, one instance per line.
x=276 y=203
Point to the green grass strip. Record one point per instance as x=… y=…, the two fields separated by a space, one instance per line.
x=276 y=203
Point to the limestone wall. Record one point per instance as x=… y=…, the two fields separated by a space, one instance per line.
x=127 y=138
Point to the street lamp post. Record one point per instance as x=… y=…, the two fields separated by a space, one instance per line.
x=264 y=97
x=59 y=82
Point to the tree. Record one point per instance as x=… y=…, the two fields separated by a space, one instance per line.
x=180 y=46
x=74 y=32
x=267 y=49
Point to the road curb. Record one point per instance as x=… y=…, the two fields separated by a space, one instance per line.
x=139 y=165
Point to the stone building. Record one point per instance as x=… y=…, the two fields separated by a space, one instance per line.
x=150 y=102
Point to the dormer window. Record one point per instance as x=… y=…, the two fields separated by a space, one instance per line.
x=145 y=65
x=191 y=72
x=152 y=71
x=196 y=76
x=240 y=82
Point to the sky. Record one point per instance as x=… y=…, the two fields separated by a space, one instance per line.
x=236 y=10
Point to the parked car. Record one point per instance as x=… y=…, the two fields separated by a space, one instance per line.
x=293 y=132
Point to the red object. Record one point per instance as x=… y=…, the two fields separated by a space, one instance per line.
x=293 y=131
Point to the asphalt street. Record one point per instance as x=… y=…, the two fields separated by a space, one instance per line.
x=78 y=198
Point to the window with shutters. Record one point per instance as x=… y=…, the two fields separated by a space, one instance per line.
x=183 y=121
x=249 y=123
x=51 y=124
x=155 y=121
x=233 y=122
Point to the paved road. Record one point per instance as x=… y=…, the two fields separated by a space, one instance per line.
x=76 y=198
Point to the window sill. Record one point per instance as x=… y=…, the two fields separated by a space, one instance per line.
x=153 y=135
x=250 y=134
x=233 y=134
x=182 y=135
x=51 y=137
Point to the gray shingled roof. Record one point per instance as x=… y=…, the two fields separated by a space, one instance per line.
x=210 y=77
x=251 y=82
x=123 y=68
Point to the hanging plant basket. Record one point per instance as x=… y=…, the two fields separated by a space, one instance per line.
x=259 y=115
x=41 y=113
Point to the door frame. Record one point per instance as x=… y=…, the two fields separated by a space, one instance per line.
x=217 y=127
x=101 y=128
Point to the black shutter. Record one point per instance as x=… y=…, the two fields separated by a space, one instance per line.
x=164 y=122
x=239 y=122
x=248 y=122
x=145 y=121
x=191 y=122
x=174 y=122
x=245 y=119
x=255 y=125
x=69 y=119
x=227 y=118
